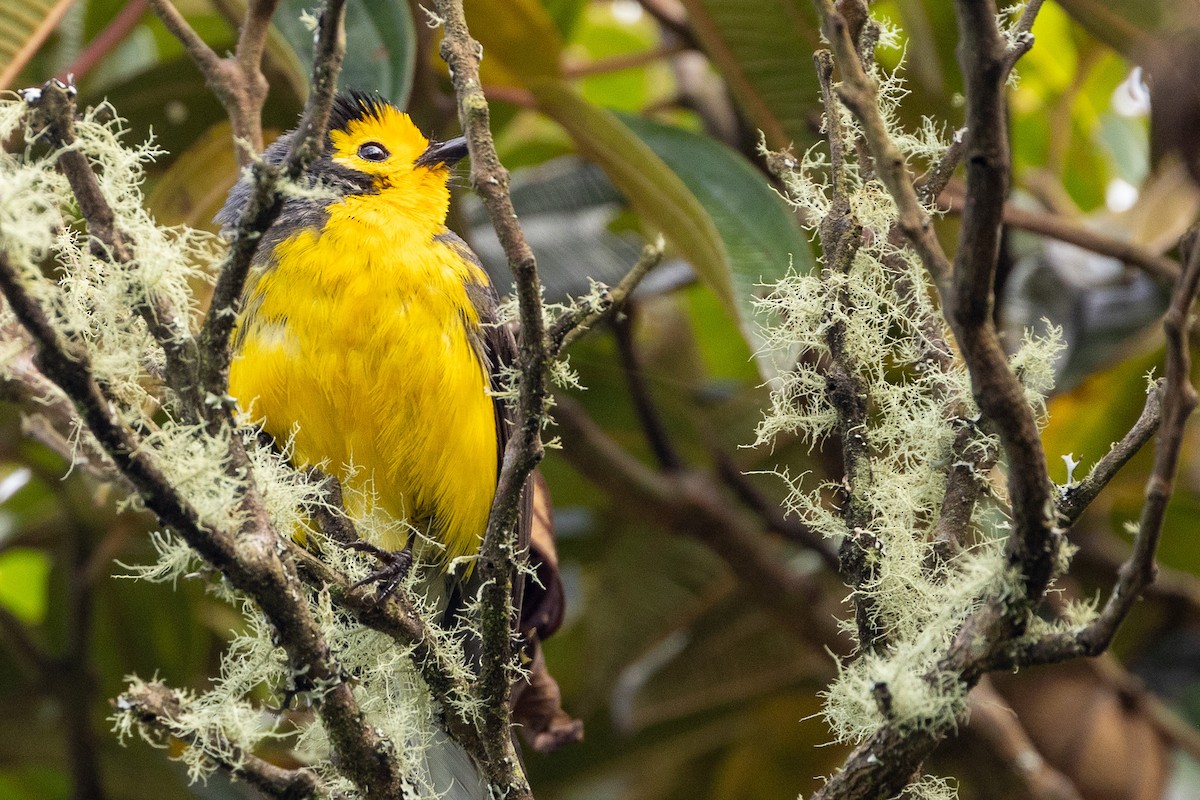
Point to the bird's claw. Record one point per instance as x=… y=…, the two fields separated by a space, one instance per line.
x=394 y=568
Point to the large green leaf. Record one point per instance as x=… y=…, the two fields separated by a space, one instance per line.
x=652 y=188
x=520 y=41
x=762 y=49
x=761 y=238
x=24 y=25
x=382 y=45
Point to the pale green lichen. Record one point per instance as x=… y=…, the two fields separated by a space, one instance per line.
x=895 y=342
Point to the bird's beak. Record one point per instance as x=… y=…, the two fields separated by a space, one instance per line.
x=448 y=153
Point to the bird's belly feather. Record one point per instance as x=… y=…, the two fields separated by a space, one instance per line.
x=361 y=351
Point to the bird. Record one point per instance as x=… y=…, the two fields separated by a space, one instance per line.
x=369 y=339
x=369 y=345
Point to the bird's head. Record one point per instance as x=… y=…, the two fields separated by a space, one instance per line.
x=375 y=158
x=369 y=135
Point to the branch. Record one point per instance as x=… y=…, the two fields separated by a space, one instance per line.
x=648 y=416
x=53 y=116
x=1178 y=401
x=266 y=200
x=252 y=565
x=982 y=52
x=238 y=81
x=498 y=554
x=577 y=321
x=1078 y=496
x=841 y=236
x=858 y=92
x=1054 y=226
x=158 y=709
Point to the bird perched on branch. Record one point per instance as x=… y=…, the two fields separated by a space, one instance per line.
x=369 y=332
x=369 y=340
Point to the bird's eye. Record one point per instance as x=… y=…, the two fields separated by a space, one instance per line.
x=373 y=151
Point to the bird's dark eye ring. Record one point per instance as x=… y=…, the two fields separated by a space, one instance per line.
x=372 y=151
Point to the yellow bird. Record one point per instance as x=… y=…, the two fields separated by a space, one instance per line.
x=369 y=336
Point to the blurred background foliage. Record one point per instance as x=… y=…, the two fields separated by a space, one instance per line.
x=620 y=119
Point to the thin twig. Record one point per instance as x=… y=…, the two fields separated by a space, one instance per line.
x=584 y=316
x=648 y=416
x=769 y=512
x=1078 y=496
x=1161 y=268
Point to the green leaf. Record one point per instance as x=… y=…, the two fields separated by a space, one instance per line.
x=652 y=188
x=565 y=14
x=382 y=50
x=520 y=41
x=24 y=578
x=761 y=238
x=24 y=25
x=762 y=49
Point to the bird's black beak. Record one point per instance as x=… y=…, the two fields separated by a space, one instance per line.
x=448 y=153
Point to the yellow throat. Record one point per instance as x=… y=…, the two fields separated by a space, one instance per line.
x=362 y=335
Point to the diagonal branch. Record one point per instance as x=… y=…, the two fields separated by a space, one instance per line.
x=158 y=710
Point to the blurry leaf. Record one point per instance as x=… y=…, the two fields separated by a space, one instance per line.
x=762 y=49
x=761 y=238
x=24 y=25
x=601 y=35
x=193 y=189
x=33 y=783
x=520 y=41
x=1128 y=26
x=565 y=14
x=732 y=654
x=654 y=190
x=24 y=579
x=172 y=101
x=646 y=589
x=382 y=45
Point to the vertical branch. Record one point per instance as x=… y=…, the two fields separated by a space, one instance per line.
x=983 y=56
x=266 y=199
x=841 y=236
x=498 y=554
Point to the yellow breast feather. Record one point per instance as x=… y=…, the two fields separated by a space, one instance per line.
x=361 y=341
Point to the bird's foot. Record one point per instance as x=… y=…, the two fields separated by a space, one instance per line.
x=394 y=567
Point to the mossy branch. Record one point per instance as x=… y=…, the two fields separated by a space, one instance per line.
x=159 y=710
